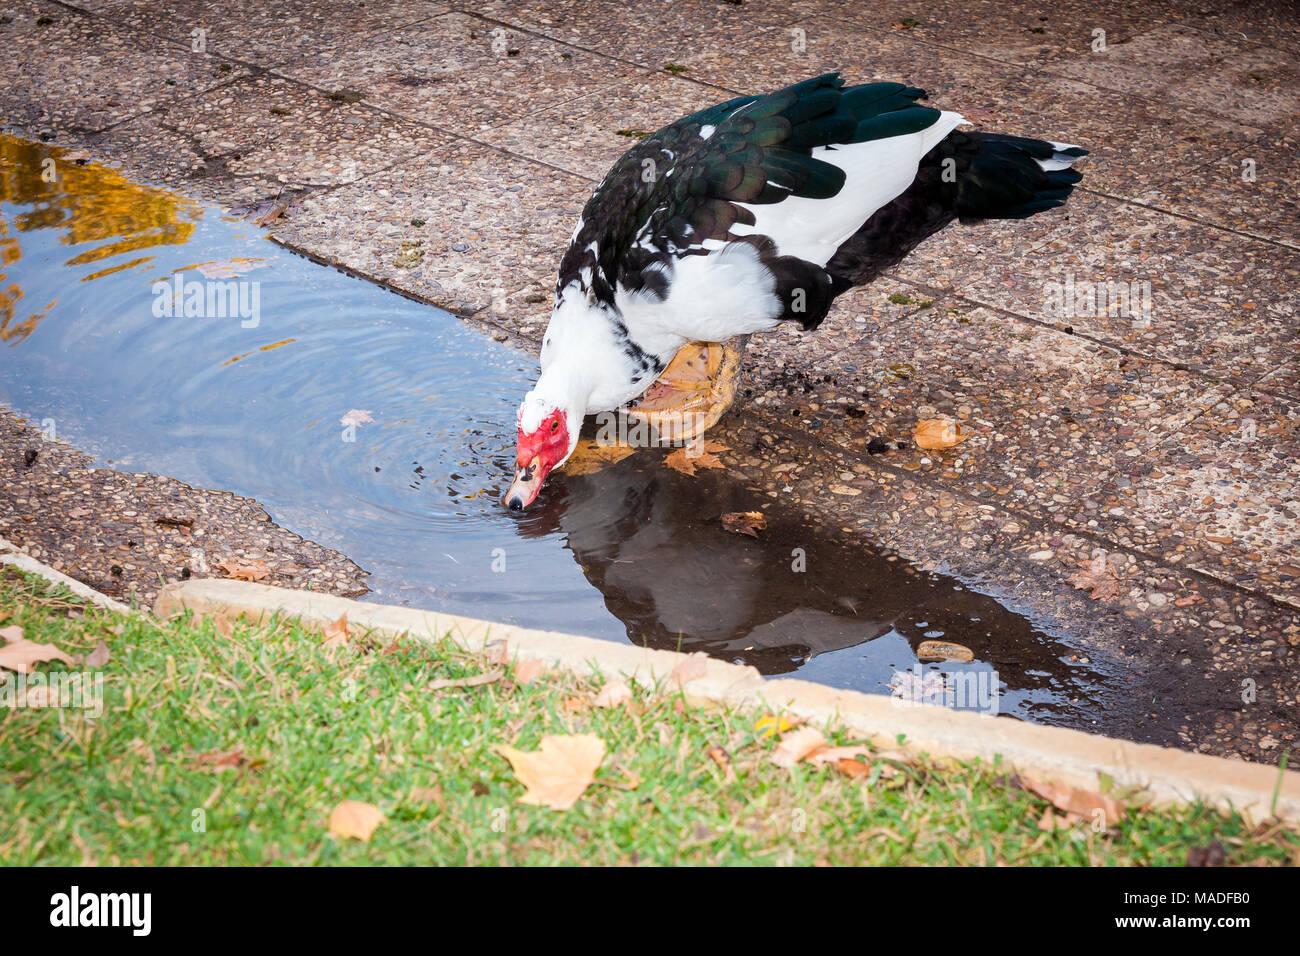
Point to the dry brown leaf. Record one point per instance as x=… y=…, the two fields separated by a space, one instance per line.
x=21 y=655
x=720 y=756
x=356 y=417
x=336 y=633
x=613 y=694
x=592 y=456
x=229 y=268
x=690 y=668
x=935 y=433
x=478 y=680
x=1098 y=578
x=558 y=773
x=1078 y=803
x=944 y=651
x=245 y=570
x=527 y=671
x=852 y=767
x=697 y=454
x=744 y=522
x=796 y=745
x=218 y=760
x=99 y=656
x=824 y=755
x=352 y=818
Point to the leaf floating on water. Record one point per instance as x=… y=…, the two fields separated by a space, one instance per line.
x=355 y=819
x=21 y=655
x=1098 y=578
x=356 y=416
x=593 y=456
x=245 y=570
x=229 y=268
x=935 y=433
x=559 y=772
x=944 y=651
x=697 y=454
x=745 y=522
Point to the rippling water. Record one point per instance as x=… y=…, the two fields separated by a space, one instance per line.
x=410 y=491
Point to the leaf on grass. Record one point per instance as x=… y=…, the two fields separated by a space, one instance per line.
x=796 y=745
x=352 y=818
x=21 y=655
x=698 y=454
x=1098 y=578
x=356 y=416
x=336 y=633
x=219 y=760
x=744 y=522
x=559 y=772
x=478 y=680
x=771 y=724
x=690 y=668
x=613 y=694
x=1078 y=804
x=852 y=767
x=592 y=456
x=935 y=433
x=833 y=755
x=527 y=671
x=245 y=570
x=99 y=656
x=720 y=757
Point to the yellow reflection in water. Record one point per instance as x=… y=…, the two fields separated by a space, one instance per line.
x=90 y=205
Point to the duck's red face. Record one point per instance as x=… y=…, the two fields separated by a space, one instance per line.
x=536 y=453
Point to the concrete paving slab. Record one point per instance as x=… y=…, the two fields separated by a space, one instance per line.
x=78 y=74
x=456 y=71
x=260 y=33
x=462 y=227
x=1184 y=67
x=587 y=135
x=653 y=33
x=1251 y=188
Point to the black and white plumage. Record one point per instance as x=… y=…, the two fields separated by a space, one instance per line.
x=757 y=211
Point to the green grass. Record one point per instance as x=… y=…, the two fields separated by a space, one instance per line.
x=363 y=725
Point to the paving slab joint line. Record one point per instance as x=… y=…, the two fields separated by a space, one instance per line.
x=1169 y=777
x=778 y=424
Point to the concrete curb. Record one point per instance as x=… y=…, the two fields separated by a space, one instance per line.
x=25 y=562
x=1066 y=756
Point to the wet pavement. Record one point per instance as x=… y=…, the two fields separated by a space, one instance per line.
x=1164 y=439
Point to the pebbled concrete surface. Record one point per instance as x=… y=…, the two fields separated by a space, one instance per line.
x=1165 y=440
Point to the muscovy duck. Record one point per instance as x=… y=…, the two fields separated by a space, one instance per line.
x=757 y=211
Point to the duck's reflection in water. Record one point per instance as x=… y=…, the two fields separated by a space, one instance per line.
x=651 y=541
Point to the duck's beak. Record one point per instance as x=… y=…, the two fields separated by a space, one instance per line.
x=528 y=482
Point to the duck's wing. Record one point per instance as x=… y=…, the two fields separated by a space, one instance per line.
x=733 y=212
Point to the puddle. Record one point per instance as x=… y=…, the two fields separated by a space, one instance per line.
x=253 y=402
